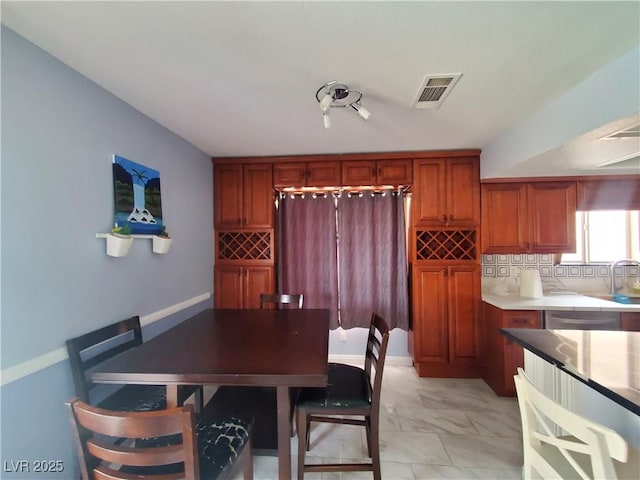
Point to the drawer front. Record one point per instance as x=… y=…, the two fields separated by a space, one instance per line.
x=529 y=319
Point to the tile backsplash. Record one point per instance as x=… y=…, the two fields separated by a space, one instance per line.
x=580 y=278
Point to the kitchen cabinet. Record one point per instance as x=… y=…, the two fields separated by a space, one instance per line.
x=243 y=196
x=241 y=286
x=630 y=321
x=446 y=191
x=502 y=357
x=377 y=172
x=446 y=333
x=306 y=174
x=609 y=194
x=535 y=217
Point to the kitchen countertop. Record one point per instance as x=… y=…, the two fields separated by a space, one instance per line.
x=556 y=302
x=606 y=361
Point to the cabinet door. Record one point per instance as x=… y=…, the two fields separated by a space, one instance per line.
x=258 y=196
x=463 y=191
x=513 y=353
x=464 y=314
x=361 y=172
x=227 y=180
x=630 y=321
x=430 y=314
x=257 y=280
x=289 y=174
x=429 y=192
x=394 y=172
x=323 y=174
x=504 y=219
x=552 y=216
x=228 y=287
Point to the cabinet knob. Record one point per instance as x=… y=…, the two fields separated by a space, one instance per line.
x=444 y=218
x=450 y=217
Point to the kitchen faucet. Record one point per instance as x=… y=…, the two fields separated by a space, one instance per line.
x=624 y=261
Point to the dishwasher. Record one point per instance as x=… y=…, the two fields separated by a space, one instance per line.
x=581 y=320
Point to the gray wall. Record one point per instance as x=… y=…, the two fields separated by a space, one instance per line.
x=59 y=131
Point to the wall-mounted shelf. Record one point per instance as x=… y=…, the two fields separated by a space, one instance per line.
x=119 y=245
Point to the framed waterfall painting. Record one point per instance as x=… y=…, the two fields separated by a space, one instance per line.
x=137 y=199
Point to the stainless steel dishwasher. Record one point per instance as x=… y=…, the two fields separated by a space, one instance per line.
x=581 y=320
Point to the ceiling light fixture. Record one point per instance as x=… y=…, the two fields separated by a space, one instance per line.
x=338 y=95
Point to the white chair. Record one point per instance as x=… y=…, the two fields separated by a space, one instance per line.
x=590 y=451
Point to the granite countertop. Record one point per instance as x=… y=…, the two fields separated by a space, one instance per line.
x=606 y=361
x=556 y=302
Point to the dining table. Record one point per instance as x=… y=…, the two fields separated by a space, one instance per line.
x=243 y=347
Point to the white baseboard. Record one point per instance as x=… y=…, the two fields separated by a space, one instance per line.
x=359 y=360
x=48 y=359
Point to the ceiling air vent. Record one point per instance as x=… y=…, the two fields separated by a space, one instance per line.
x=631 y=132
x=434 y=89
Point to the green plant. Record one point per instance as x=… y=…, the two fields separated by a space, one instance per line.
x=122 y=230
x=164 y=232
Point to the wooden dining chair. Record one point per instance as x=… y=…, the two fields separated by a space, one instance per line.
x=161 y=444
x=280 y=300
x=589 y=451
x=90 y=349
x=350 y=391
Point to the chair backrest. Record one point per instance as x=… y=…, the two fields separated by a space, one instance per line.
x=375 y=356
x=90 y=349
x=96 y=430
x=553 y=456
x=280 y=299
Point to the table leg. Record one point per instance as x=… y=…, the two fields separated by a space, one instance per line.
x=284 y=433
x=172 y=396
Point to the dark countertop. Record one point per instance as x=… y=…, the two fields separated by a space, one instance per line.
x=607 y=361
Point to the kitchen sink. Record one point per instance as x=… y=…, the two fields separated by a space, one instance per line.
x=624 y=299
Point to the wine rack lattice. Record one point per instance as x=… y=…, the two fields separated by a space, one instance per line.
x=446 y=245
x=245 y=246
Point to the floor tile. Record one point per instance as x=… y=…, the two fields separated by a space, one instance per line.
x=482 y=451
x=414 y=419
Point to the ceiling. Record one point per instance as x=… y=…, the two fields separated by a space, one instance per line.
x=239 y=78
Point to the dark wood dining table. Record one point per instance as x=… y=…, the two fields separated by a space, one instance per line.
x=277 y=348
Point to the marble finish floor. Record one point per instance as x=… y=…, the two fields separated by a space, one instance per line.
x=431 y=428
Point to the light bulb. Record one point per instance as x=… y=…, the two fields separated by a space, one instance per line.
x=326 y=119
x=325 y=103
x=363 y=112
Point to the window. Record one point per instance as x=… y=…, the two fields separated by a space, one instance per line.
x=603 y=236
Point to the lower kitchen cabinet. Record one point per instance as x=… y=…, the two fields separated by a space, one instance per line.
x=241 y=286
x=445 y=335
x=630 y=321
x=502 y=357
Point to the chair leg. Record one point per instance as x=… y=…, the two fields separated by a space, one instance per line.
x=368 y=432
x=303 y=435
x=247 y=468
x=198 y=398
x=374 y=446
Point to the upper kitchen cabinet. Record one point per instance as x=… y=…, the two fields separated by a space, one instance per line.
x=306 y=174
x=243 y=196
x=621 y=193
x=535 y=217
x=377 y=172
x=446 y=192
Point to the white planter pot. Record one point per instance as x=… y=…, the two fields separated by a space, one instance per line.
x=118 y=245
x=161 y=244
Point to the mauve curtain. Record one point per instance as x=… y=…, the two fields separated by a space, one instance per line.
x=307 y=261
x=372 y=260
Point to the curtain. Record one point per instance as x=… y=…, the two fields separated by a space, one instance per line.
x=307 y=260
x=372 y=260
